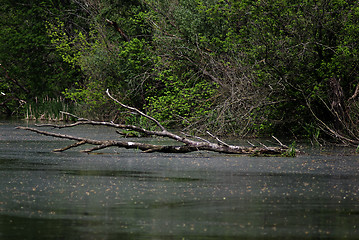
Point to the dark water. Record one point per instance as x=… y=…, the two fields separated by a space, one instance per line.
x=126 y=194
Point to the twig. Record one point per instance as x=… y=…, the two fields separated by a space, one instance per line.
x=280 y=143
x=218 y=140
x=263 y=145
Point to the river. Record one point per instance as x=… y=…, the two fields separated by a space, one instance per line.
x=127 y=194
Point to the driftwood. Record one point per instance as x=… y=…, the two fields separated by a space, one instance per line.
x=187 y=144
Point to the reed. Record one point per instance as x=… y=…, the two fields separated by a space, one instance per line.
x=48 y=109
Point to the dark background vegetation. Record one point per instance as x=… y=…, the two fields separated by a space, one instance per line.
x=236 y=68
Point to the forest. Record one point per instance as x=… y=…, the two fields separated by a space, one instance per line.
x=234 y=68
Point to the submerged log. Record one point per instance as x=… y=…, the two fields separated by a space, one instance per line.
x=187 y=144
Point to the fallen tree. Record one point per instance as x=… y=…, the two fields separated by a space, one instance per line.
x=187 y=142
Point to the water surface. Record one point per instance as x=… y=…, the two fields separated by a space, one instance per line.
x=127 y=194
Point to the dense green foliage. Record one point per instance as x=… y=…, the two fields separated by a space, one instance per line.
x=232 y=67
x=30 y=68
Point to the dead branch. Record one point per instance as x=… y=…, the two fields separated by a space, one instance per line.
x=109 y=143
x=70 y=146
x=356 y=93
x=280 y=143
x=118 y=29
x=330 y=131
x=218 y=140
x=187 y=145
x=136 y=110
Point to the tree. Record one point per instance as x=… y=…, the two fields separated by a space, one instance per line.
x=233 y=67
x=112 y=52
x=275 y=63
x=309 y=56
x=196 y=39
x=29 y=67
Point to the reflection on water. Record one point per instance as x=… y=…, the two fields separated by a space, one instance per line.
x=124 y=194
